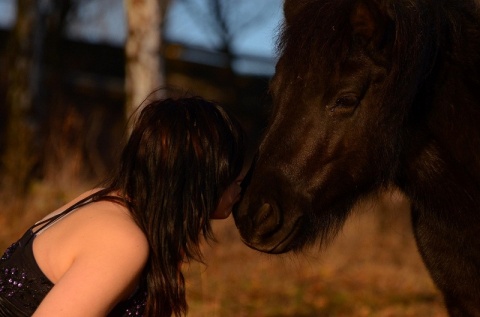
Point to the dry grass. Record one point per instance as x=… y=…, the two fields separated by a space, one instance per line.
x=371 y=269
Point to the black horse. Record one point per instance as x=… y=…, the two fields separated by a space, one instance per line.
x=369 y=95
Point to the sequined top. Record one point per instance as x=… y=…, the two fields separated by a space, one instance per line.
x=23 y=285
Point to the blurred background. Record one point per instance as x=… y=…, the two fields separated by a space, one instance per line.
x=72 y=72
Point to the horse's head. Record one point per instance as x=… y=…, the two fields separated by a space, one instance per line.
x=341 y=91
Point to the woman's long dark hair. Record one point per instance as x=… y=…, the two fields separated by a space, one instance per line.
x=181 y=156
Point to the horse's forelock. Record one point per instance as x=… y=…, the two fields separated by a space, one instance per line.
x=315 y=36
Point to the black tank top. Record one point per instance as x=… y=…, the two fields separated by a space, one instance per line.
x=23 y=285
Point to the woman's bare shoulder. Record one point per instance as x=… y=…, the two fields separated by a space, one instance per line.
x=102 y=229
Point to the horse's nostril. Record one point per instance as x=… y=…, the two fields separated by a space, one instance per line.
x=264 y=213
x=267 y=220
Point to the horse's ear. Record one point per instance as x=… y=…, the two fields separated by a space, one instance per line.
x=368 y=22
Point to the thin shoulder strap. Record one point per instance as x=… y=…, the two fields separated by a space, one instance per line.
x=99 y=195
x=46 y=222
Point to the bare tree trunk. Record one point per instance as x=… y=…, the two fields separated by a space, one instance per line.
x=144 y=66
x=20 y=156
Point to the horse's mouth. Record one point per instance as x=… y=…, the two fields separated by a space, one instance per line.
x=281 y=244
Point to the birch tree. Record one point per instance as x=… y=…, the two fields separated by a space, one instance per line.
x=144 y=66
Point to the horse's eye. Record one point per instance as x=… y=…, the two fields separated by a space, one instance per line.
x=345 y=104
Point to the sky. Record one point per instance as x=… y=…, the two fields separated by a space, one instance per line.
x=103 y=21
x=7 y=13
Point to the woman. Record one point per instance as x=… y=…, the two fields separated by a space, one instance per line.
x=117 y=251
